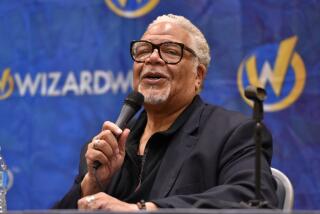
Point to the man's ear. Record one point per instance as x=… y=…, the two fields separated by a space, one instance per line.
x=201 y=73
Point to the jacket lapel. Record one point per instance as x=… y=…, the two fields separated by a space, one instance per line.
x=177 y=151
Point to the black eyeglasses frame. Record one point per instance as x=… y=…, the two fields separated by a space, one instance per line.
x=157 y=46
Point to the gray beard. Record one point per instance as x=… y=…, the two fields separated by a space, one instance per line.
x=154 y=96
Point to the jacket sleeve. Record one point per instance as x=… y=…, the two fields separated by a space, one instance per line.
x=236 y=184
x=70 y=200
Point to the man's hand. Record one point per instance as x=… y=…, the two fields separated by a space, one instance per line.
x=108 y=147
x=106 y=202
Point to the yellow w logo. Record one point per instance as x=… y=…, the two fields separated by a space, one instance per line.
x=285 y=58
x=6 y=84
x=140 y=8
x=277 y=76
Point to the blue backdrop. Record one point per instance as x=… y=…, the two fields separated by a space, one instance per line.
x=65 y=68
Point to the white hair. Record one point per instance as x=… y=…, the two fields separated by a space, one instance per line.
x=201 y=46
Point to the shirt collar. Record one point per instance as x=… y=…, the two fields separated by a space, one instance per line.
x=139 y=125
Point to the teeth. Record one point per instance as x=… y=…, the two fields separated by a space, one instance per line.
x=151 y=74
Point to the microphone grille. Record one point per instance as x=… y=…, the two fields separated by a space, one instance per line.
x=135 y=99
x=255 y=93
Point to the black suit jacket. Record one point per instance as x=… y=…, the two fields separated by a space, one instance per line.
x=209 y=165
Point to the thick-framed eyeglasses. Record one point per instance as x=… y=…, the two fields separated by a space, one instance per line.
x=170 y=52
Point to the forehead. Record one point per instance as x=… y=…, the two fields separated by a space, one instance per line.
x=166 y=31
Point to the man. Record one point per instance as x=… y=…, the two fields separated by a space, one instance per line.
x=180 y=152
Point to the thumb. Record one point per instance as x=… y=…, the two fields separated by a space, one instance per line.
x=122 y=141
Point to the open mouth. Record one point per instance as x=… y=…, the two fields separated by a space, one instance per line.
x=154 y=76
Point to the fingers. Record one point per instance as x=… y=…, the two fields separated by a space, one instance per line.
x=108 y=147
x=93 y=202
x=112 y=127
x=93 y=155
x=88 y=202
x=106 y=202
x=122 y=140
x=108 y=138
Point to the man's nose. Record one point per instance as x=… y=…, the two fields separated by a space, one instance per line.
x=154 y=57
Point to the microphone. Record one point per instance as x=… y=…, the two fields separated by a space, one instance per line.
x=131 y=106
x=255 y=93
